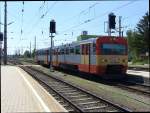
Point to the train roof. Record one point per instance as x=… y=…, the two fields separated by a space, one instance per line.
x=76 y=43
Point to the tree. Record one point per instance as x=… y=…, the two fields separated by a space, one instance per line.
x=138 y=40
x=27 y=54
x=143 y=31
x=33 y=53
x=134 y=44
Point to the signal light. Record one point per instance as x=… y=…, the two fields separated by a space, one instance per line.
x=1 y=36
x=52 y=26
x=111 y=20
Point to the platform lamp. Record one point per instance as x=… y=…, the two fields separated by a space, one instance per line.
x=51 y=31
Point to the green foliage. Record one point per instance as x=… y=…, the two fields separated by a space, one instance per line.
x=143 y=30
x=138 y=40
x=26 y=54
x=33 y=53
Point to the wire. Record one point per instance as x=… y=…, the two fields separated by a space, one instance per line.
x=89 y=20
x=81 y=12
x=35 y=25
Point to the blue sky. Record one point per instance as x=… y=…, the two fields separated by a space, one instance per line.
x=70 y=17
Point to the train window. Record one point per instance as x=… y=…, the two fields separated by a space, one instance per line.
x=83 y=49
x=67 y=50
x=87 y=49
x=71 y=50
x=58 y=51
x=62 y=51
x=77 y=49
x=53 y=51
x=94 y=48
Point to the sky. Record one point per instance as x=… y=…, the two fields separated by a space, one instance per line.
x=72 y=17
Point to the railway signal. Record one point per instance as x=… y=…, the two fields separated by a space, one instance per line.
x=1 y=36
x=52 y=30
x=111 y=20
x=52 y=26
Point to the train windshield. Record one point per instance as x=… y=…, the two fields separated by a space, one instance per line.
x=113 y=49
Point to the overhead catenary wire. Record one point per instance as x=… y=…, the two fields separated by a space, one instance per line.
x=35 y=25
x=81 y=12
x=89 y=20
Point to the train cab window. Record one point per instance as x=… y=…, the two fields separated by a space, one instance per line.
x=113 y=49
x=77 y=49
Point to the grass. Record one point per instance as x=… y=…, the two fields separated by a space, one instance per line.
x=140 y=61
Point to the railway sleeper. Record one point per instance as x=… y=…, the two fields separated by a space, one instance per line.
x=59 y=86
x=70 y=93
x=69 y=109
x=80 y=99
x=62 y=91
x=96 y=107
x=92 y=102
x=92 y=105
x=104 y=109
x=78 y=96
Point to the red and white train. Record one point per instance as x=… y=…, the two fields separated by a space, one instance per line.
x=104 y=55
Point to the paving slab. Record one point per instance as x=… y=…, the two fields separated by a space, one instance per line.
x=21 y=93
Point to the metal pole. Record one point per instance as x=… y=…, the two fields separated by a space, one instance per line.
x=0 y=18
x=5 y=34
x=0 y=57
x=51 y=53
x=122 y=33
x=35 y=43
x=120 y=26
x=30 y=49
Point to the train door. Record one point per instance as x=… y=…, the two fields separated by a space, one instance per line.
x=85 y=60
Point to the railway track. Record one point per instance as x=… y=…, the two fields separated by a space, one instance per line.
x=130 y=86
x=71 y=97
x=136 y=88
x=139 y=68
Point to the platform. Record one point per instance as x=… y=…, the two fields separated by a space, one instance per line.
x=139 y=73
x=21 y=93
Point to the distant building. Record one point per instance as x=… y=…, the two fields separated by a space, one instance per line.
x=144 y=55
x=84 y=35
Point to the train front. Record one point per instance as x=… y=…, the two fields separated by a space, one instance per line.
x=112 y=57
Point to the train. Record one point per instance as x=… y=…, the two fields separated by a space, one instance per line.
x=105 y=56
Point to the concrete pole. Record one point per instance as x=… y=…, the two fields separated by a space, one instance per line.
x=5 y=33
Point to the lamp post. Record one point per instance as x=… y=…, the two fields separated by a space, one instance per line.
x=52 y=30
